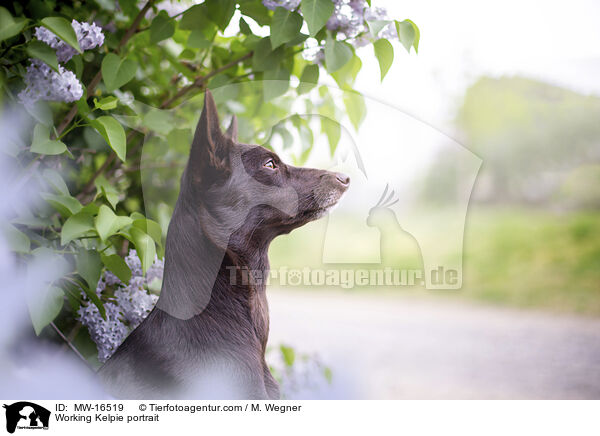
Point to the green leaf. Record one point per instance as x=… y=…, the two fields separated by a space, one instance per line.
x=64 y=204
x=333 y=131
x=107 y=223
x=10 y=26
x=264 y=57
x=308 y=79
x=255 y=10
x=337 y=54
x=196 y=19
x=116 y=72
x=220 y=11
x=107 y=103
x=347 y=74
x=384 y=52
x=113 y=133
x=56 y=181
x=280 y=82
x=376 y=26
x=45 y=307
x=63 y=29
x=117 y=266
x=152 y=228
x=160 y=121
x=104 y=188
x=162 y=27
x=91 y=294
x=89 y=266
x=39 y=50
x=82 y=107
x=144 y=245
x=244 y=27
x=284 y=27
x=289 y=355
x=407 y=33
x=42 y=144
x=417 y=35
x=316 y=13
x=16 y=239
x=198 y=40
x=76 y=226
x=355 y=107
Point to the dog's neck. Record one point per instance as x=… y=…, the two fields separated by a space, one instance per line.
x=196 y=267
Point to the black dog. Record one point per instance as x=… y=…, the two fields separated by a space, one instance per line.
x=208 y=333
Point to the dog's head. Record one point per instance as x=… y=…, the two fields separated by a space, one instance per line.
x=247 y=189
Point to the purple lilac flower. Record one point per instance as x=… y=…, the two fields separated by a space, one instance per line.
x=131 y=304
x=376 y=13
x=43 y=83
x=107 y=334
x=347 y=17
x=388 y=32
x=89 y=36
x=350 y=16
x=135 y=302
x=313 y=52
x=155 y=272
x=134 y=263
x=290 y=5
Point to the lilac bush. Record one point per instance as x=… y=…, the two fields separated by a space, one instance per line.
x=349 y=21
x=42 y=83
x=125 y=309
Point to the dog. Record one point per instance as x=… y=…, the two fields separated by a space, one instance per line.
x=207 y=335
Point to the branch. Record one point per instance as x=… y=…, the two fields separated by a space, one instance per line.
x=96 y=80
x=69 y=344
x=200 y=80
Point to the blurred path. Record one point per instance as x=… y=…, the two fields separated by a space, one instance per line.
x=382 y=346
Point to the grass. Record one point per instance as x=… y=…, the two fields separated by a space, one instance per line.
x=516 y=257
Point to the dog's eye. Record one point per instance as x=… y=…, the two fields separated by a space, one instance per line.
x=270 y=164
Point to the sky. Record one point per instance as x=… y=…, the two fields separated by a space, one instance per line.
x=461 y=40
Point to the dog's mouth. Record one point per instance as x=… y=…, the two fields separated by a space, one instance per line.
x=321 y=209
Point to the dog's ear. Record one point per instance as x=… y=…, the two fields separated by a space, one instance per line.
x=209 y=155
x=232 y=130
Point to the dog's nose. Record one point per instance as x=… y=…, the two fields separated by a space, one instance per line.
x=342 y=178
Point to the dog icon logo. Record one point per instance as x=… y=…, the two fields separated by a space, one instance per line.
x=26 y=415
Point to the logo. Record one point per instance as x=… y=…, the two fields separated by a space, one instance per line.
x=26 y=415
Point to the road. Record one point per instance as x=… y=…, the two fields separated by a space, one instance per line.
x=383 y=346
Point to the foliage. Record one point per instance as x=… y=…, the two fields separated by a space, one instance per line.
x=529 y=134
x=512 y=256
x=127 y=73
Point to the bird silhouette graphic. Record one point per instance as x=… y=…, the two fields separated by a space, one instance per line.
x=399 y=248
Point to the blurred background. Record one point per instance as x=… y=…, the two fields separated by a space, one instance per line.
x=516 y=84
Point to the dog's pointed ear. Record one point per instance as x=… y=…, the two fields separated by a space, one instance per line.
x=232 y=130
x=209 y=155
